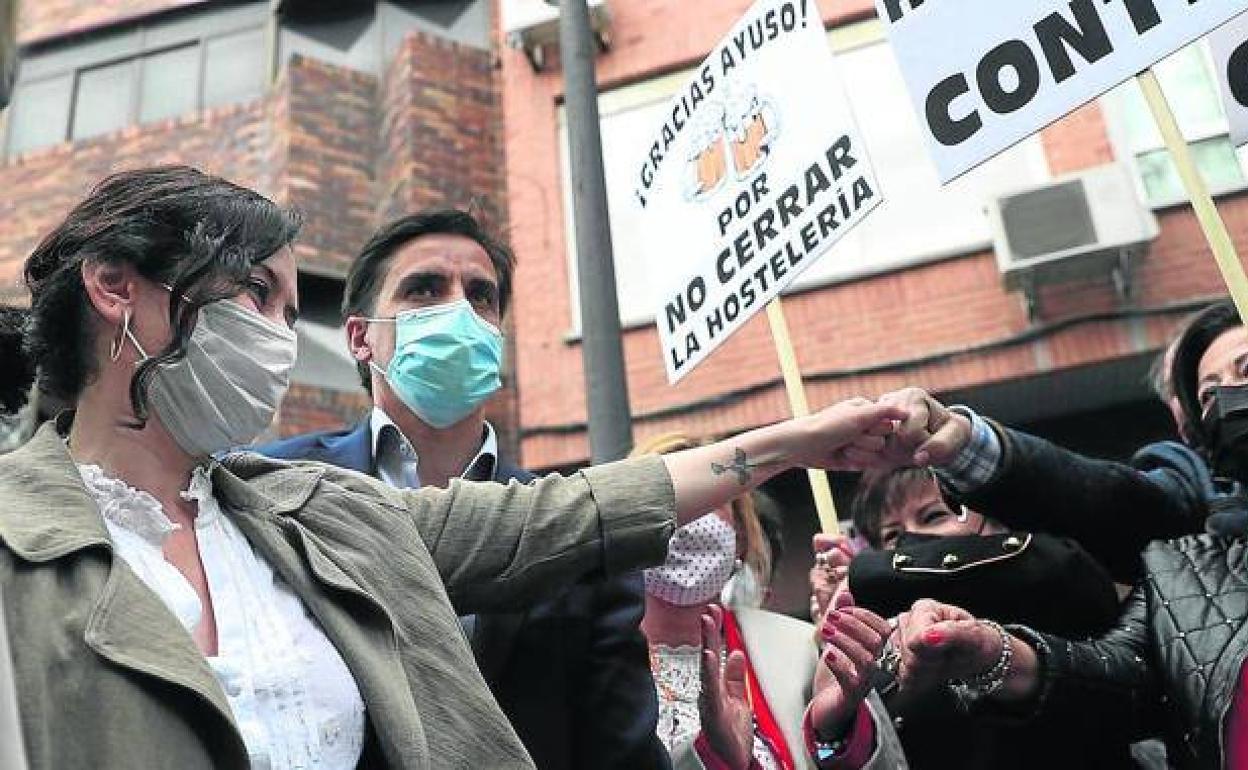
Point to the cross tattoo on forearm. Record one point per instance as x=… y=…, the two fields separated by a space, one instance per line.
x=740 y=465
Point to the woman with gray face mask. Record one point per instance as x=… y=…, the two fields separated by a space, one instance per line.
x=168 y=610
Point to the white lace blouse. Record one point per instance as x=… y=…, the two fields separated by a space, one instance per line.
x=292 y=695
x=678 y=679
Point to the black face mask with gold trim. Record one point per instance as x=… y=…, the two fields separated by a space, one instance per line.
x=1016 y=577
x=1226 y=432
x=908 y=540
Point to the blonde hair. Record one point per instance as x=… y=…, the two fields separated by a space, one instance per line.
x=757 y=549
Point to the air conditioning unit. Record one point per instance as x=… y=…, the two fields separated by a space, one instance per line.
x=533 y=26
x=1082 y=225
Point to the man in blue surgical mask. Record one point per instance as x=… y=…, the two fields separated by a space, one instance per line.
x=424 y=306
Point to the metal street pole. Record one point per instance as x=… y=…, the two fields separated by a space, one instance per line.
x=602 y=348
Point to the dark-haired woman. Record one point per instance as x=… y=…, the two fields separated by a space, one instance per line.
x=170 y=611
x=1174 y=664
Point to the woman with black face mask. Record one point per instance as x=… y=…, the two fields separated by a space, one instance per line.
x=924 y=543
x=1174 y=664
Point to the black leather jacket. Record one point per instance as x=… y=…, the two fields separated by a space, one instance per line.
x=1173 y=662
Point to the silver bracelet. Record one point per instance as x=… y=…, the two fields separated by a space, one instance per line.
x=982 y=685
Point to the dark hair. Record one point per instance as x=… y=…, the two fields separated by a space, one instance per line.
x=879 y=492
x=367 y=272
x=200 y=234
x=17 y=370
x=1200 y=333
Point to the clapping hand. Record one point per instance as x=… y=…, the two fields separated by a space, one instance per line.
x=724 y=704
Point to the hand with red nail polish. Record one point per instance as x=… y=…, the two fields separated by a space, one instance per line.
x=939 y=642
x=854 y=640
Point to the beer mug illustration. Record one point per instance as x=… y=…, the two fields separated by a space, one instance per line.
x=752 y=125
x=707 y=166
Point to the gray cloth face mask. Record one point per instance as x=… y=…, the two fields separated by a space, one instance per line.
x=227 y=388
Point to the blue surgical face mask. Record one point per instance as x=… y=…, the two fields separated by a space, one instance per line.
x=446 y=361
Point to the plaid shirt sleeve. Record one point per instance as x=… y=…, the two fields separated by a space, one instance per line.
x=977 y=463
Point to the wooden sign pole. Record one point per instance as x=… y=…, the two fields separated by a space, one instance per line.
x=1206 y=211
x=825 y=506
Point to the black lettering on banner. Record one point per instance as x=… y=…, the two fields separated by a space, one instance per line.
x=761 y=254
x=773 y=26
x=948 y=130
x=778 y=268
x=839 y=159
x=765 y=229
x=827 y=220
x=794 y=255
x=810 y=239
x=744 y=247
x=862 y=192
x=1014 y=55
x=1008 y=77
x=761 y=275
x=677 y=120
x=1144 y=14
x=722 y=270
x=669 y=136
x=692 y=346
x=1089 y=38
x=787 y=206
x=1237 y=74
x=714 y=323
x=748 y=295
x=742 y=204
x=894 y=8
x=816 y=182
x=695 y=295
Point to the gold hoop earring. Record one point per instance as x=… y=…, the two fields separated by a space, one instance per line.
x=119 y=341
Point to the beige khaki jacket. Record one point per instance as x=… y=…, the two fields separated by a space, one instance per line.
x=108 y=678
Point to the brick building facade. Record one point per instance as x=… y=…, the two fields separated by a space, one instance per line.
x=372 y=110
x=905 y=311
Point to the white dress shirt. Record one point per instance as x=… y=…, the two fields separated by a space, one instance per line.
x=293 y=698
x=399 y=466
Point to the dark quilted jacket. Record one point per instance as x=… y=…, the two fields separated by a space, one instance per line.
x=1172 y=663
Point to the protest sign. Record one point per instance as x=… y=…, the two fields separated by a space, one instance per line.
x=738 y=189
x=1017 y=66
x=1229 y=45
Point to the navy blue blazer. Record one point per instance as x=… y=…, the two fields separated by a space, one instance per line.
x=572 y=674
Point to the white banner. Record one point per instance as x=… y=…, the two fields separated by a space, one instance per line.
x=739 y=189
x=984 y=74
x=1229 y=44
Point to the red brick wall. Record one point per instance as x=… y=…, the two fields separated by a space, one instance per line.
x=851 y=334
x=42 y=19
x=442 y=129
x=326 y=160
x=37 y=189
x=342 y=147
